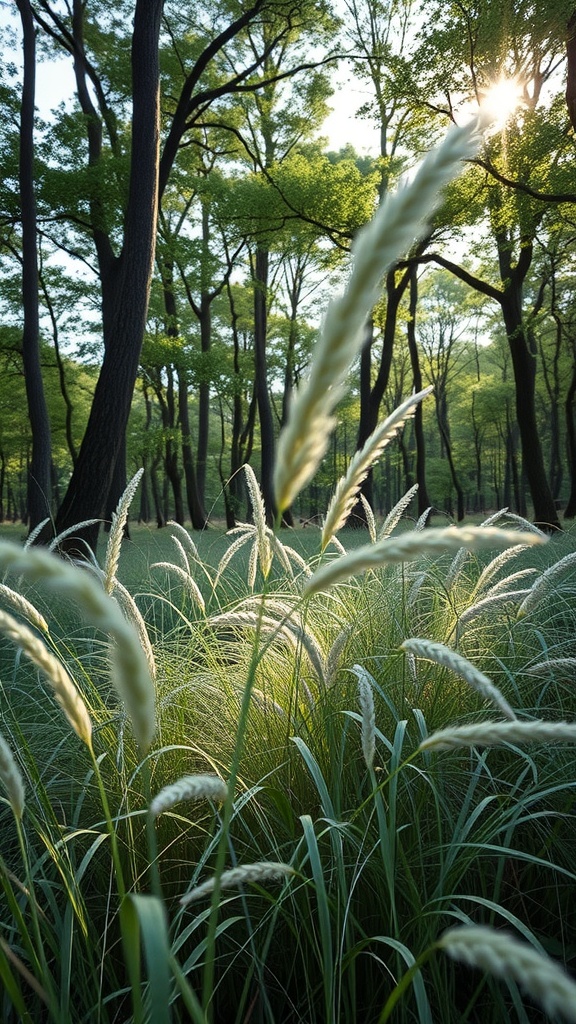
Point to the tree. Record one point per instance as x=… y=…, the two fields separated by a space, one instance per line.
x=126 y=251
x=39 y=482
x=510 y=39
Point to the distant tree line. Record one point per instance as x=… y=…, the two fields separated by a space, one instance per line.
x=169 y=237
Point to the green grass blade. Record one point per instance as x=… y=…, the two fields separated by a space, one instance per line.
x=323 y=913
x=145 y=915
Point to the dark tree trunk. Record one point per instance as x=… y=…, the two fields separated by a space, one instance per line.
x=61 y=373
x=205 y=320
x=195 y=505
x=422 y=496
x=39 y=481
x=156 y=496
x=444 y=429
x=267 y=446
x=571 y=69
x=124 y=317
x=203 y=399
x=524 y=365
x=570 y=510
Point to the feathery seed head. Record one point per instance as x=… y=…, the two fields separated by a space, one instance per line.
x=410 y=546
x=366 y=702
x=114 y=544
x=189 y=787
x=130 y=668
x=348 y=486
x=503 y=956
x=493 y=734
x=11 y=777
x=261 y=871
x=546 y=583
x=23 y=607
x=62 y=685
x=401 y=219
x=442 y=655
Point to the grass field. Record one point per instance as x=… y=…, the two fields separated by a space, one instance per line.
x=286 y=749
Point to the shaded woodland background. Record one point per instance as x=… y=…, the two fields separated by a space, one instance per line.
x=171 y=233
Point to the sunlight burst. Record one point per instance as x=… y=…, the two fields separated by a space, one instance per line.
x=501 y=99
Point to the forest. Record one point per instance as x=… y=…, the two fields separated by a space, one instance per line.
x=252 y=773
x=171 y=229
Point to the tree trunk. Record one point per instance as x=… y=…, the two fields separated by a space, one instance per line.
x=195 y=504
x=422 y=497
x=89 y=489
x=39 y=482
x=571 y=69
x=524 y=365
x=261 y=381
x=570 y=511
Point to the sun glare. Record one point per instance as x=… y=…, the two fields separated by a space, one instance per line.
x=501 y=99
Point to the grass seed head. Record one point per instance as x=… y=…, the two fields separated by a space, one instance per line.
x=261 y=871
x=494 y=734
x=52 y=669
x=503 y=956
x=189 y=787
x=12 y=779
x=402 y=218
x=442 y=655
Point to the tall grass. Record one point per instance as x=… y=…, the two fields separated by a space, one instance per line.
x=290 y=789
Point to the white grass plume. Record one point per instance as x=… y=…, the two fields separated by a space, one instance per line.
x=492 y=603
x=130 y=670
x=185 y=540
x=292 y=633
x=524 y=523
x=494 y=734
x=366 y=702
x=348 y=486
x=423 y=519
x=444 y=656
x=516 y=577
x=36 y=532
x=119 y=517
x=503 y=956
x=134 y=615
x=11 y=777
x=259 y=513
x=490 y=571
x=23 y=607
x=261 y=871
x=370 y=517
x=410 y=546
x=63 y=686
x=185 y=579
x=565 y=667
x=547 y=583
x=401 y=219
x=395 y=514
x=189 y=787
x=69 y=532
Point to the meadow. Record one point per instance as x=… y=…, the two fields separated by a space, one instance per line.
x=315 y=777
